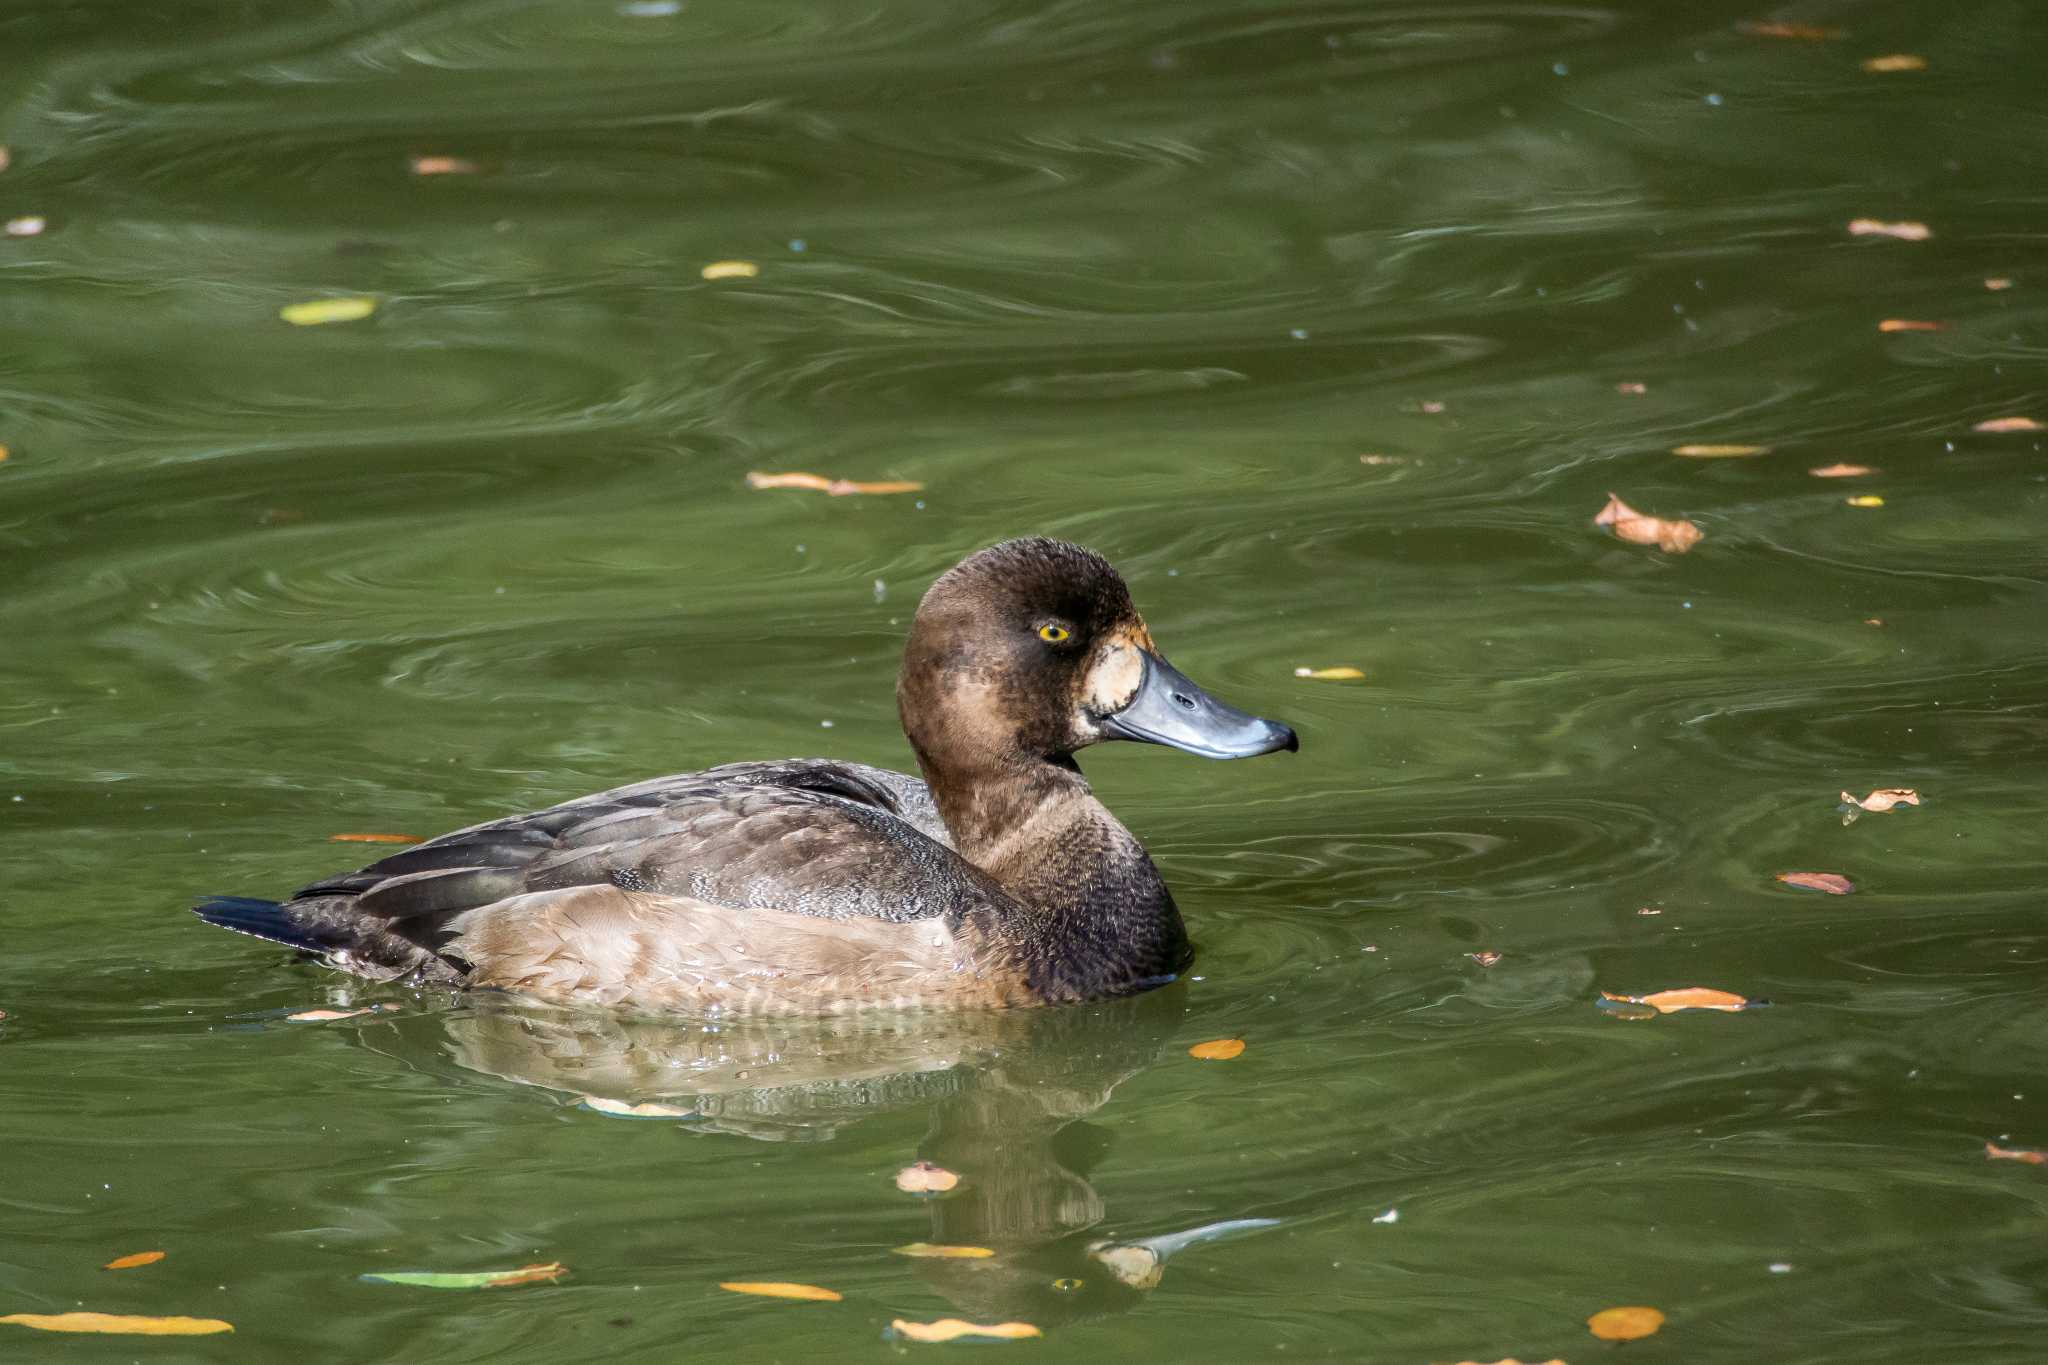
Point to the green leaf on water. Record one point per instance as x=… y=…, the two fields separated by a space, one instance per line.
x=472 y=1279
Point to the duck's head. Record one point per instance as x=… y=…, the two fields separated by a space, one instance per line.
x=1031 y=649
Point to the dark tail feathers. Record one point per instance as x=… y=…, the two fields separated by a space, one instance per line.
x=265 y=919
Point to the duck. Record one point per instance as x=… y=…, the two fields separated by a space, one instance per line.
x=811 y=886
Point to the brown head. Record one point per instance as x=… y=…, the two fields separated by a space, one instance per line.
x=1031 y=649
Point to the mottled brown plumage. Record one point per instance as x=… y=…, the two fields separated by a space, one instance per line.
x=809 y=885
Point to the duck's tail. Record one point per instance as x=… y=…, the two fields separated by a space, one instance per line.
x=330 y=930
x=268 y=920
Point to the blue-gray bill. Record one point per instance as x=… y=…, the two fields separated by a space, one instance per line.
x=1169 y=709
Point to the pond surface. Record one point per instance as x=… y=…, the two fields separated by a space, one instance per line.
x=1334 y=326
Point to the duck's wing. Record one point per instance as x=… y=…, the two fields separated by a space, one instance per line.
x=766 y=860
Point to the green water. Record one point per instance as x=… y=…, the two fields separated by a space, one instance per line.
x=1153 y=277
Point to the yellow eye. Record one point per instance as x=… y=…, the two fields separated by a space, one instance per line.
x=1052 y=635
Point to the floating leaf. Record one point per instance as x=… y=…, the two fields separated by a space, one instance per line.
x=31 y=225
x=1884 y=798
x=838 y=488
x=1686 y=998
x=921 y=1177
x=1381 y=459
x=1672 y=537
x=329 y=1016
x=943 y=1253
x=1510 y=1360
x=1904 y=230
x=133 y=1259
x=1841 y=471
x=1832 y=883
x=1218 y=1049
x=1625 y=1324
x=442 y=165
x=1910 y=325
x=1996 y=425
x=477 y=1279
x=1771 y=28
x=318 y=311
x=1341 y=674
x=2033 y=1158
x=777 y=1289
x=730 y=270
x=1432 y=407
x=1865 y=500
x=373 y=839
x=1896 y=61
x=1712 y=450
x=953 y=1329
x=1631 y=387
x=121 y=1323
x=1485 y=958
x=1997 y=283
x=650 y=1110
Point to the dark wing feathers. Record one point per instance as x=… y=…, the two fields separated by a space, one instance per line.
x=813 y=837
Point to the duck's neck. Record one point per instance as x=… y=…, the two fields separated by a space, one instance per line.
x=1105 y=924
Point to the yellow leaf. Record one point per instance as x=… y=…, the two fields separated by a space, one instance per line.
x=944 y=1253
x=1713 y=451
x=1865 y=500
x=121 y=1323
x=133 y=1260
x=1896 y=61
x=1839 y=470
x=1343 y=674
x=623 y=1110
x=730 y=270
x=776 y=1289
x=838 y=488
x=953 y=1329
x=317 y=311
x=1625 y=1324
x=1218 y=1049
x=1910 y=325
x=921 y=1177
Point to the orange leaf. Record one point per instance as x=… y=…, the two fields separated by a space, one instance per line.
x=1905 y=230
x=953 y=1329
x=1685 y=998
x=1841 y=471
x=1897 y=61
x=921 y=1177
x=1995 y=425
x=1340 y=674
x=442 y=165
x=1218 y=1049
x=943 y=1253
x=120 y=1323
x=1997 y=282
x=775 y=1289
x=1767 y=28
x=2028 y=1155
x=1625 y=1324
x=1512 y=1361
x=1712 y=450
x=1832 y=883
x=1884 y=798
x=1910 y=325
x=373 y=839
x=837 y=488
x=1672 y=537
x=133 y=1260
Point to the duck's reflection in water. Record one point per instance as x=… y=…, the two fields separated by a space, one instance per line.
x=1009 y=1093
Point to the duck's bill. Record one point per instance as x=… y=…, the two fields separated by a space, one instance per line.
x=1168 y=709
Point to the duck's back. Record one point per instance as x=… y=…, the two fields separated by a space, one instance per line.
x=805 y=879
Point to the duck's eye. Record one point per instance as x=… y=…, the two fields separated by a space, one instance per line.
x=1053 y=635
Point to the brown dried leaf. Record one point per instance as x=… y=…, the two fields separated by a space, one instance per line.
x=329 y=1016
x=1485 y=958
x=1718 y=450
x=120 y=1323
x=1631 y=387
x=1771 y=28
x=1672 y=537
x=1510 y=1360
x=1831 y=882
x=777 y=1289
x=1997 y=283
x=29 y=225
x=442 y=165
x=1381 y=459
x=1217 y=1049
x=1625 y=1324
x=1905 y=230
x=1685 y=998
x=2033 y=1158
x=1340 y=674
x=1884 y=798
x=921 y=1177
x=373 y=839
x=954 y=1329
x=1910 y=325
x=1896 y=61
x=837 y=488
x=133 y=1259
x=1996 y=425
x=624 y=1110
x=1841 y=471
x=944 y=1253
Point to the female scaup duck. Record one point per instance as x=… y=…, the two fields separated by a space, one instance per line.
x=814 y=886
